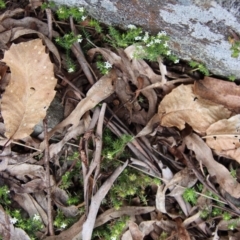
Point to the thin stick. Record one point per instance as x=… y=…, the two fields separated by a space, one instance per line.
x=49 y=198
x=49 y=19
x=76 y=49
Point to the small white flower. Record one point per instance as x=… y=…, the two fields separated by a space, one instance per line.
x=81 y=9
x=61 y=10
x=176 y=61
x=162 y=33
x=63 y=225
x=168 y=52
x=107 y=65
x=83 y=18
x=71 y=69
x=79 y=40
x=138 y=38
x=13 y=220
x=157 y=40
x=36 y=217
x=148 y=45
x=109 y=156
x=165 y=44
x=145 y=38
x=131 y=26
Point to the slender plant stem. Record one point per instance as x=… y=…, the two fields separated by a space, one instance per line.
x=49 y=198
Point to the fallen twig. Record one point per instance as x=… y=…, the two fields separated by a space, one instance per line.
x=49 y=198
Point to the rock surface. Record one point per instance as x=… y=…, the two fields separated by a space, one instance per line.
x=199 y=29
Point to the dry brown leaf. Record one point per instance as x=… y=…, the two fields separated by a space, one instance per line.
x=28 y=23
x=182 y=232
x=218 y=91
x=224 y=137
x=135 y=232
x=182 y=106
x=10 y=13
x=141 y=65
x=18 y=32
x=102 y=89
x=28 y=203
x=31 y=88
x=204 y=154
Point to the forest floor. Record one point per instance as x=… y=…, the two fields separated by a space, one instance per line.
x=107 y=135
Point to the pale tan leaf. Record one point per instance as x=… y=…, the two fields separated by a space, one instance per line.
x=204 y=154
x=135 y=232
x=182 y=106
x=224 y=137
x=31 y=88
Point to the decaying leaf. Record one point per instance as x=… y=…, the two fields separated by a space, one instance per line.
x=28 y=23
x=182 y=106
x=218 y=91
x=224 y=137
x=31 y=88
x=204 y=154
x=136 y=234
x=102 y=89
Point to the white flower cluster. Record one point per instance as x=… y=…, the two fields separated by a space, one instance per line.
x=13 y=220
x=63 y=225
x=61 y=10
x=131 y=26
x=71 y=69
x=79 y=38
x=36 y=217
x=107 y=65
x=162 y=33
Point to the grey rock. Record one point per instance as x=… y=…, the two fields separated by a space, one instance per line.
x=55 y=115
x=199 y=29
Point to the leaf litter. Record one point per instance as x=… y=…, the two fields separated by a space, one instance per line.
x=184 y=131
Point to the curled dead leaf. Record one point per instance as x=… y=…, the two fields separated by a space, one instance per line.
x=219 y=91
x=204 y=154
x=224 y=137
x=182 y=106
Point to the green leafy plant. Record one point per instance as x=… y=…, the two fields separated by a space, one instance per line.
x=233 y=223
x=64 y=12
x=66 y=42
x=200 y=67
x=123 y=39
x=147 y=46
x=190 y=195
x=233 y=173
x=2 y=4
x=235 y=49
x=232 y=78
x=114 y=146
x=94 y=23
x=104 y=67
x=112 y=230
x=46 y=5
x=226 y=216
x=61 y=221
x=4 y=196
x=131 y=182
x=30 y=225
